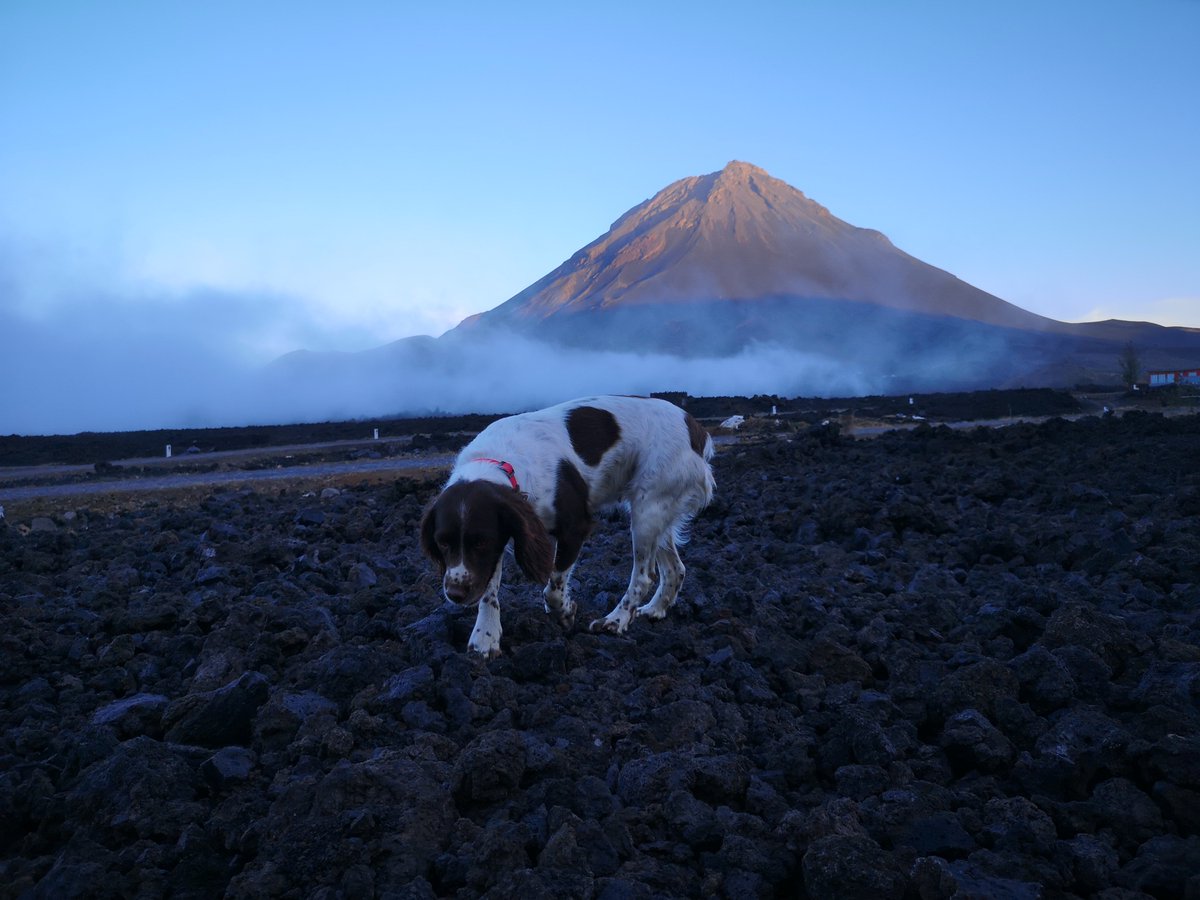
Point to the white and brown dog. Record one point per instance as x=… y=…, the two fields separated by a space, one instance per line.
x=537 y=478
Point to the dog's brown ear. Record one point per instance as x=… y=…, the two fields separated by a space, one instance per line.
x=428 y=544
x=532 y=546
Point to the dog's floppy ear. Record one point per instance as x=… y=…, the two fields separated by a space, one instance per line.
x=428 y=544
x=532 y=546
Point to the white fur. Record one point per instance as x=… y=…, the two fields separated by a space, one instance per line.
x=652 y=469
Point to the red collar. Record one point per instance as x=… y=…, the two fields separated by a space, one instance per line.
x=505 y=467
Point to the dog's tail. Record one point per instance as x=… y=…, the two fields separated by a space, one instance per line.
x=709 y=481
x=701 y=488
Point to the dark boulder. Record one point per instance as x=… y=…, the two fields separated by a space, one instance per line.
x=217 y=718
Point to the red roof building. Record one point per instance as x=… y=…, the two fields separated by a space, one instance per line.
x=1174 y=376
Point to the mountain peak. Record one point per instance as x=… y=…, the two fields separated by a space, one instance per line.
x=735 y=168
x=741 y=235
x=746 y=195
x=747 y=175
x=743 y=178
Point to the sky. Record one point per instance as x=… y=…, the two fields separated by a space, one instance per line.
x=239 y=180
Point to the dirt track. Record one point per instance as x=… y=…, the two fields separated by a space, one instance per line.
x=214 y=478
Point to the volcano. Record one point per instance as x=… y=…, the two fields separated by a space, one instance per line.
x=716 y=265
x=740 y=235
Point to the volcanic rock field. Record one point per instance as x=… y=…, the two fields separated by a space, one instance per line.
x=937 y=663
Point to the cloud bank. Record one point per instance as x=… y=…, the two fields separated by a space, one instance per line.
x=84 y=351
x=87 y=348
x=103 y=362
x=509 y=373
x=82 y=358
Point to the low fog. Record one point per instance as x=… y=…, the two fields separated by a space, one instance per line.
x=87 y=361
x=111 y=360
x=60 y=382
x=510 y=373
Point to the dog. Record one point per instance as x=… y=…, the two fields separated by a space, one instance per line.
x=537 y=479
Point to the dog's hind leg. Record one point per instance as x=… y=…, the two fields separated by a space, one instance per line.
x=670 y=576
x=649 y=529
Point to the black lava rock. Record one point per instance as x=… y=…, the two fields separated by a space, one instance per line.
x=217 y=718
x=929 y=664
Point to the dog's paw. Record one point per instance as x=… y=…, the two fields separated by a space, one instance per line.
x=564 y=615
x=610 y=625
x=652 y=612
x=486 y=653
x=484 y=647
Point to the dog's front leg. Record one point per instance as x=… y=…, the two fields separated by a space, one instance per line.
x=485 y=636
x=557 y=596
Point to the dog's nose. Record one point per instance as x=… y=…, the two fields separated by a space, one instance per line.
x=457 y=593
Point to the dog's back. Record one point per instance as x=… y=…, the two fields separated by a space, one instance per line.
x=625 y=448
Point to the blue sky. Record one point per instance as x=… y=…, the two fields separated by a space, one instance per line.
x=341 y=175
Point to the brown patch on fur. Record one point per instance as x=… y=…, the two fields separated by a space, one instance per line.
x=697 y=436
x=572 y=519
x=592 y=431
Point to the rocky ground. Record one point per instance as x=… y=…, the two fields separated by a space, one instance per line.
x=937 y=663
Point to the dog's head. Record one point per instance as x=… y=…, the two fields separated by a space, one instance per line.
x=466 y=528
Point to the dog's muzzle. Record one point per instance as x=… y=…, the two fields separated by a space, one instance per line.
x=458 y=585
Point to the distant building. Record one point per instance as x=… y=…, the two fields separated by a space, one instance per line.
x=1174 y=376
